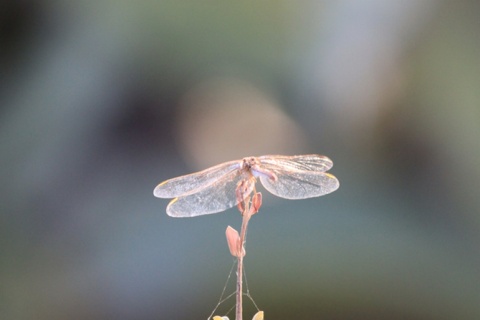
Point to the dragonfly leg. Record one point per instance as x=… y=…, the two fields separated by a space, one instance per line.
x=244 y=188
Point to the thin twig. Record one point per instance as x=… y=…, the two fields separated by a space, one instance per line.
x=243 y=234
x=248 y=289
x=222 y=298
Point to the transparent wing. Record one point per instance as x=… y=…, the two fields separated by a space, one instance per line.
x=300 y=184
x=195 y=182
x=307 y=162
x=216 y=197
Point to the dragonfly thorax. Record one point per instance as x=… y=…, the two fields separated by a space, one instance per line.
x=254 y=166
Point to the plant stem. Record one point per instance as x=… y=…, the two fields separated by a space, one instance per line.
x=243 y=233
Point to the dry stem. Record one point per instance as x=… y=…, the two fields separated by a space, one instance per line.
x=243 y=233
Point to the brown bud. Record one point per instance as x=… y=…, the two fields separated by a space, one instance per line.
x=256 y=202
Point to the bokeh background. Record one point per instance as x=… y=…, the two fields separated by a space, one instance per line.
x=102 y=100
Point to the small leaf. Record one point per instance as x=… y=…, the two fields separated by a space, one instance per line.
x=258 y=316
x=233 y=241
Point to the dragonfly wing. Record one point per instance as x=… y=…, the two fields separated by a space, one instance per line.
x=300 y=184
x=307 y=162
x=217 y=197
x=192 y=183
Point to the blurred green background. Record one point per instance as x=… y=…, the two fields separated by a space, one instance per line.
x=102 y=100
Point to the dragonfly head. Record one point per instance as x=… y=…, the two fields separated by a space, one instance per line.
x=249 y=162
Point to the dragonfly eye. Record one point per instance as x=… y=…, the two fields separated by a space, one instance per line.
x=246 y=164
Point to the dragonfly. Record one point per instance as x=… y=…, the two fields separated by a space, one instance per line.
x=215 y=189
